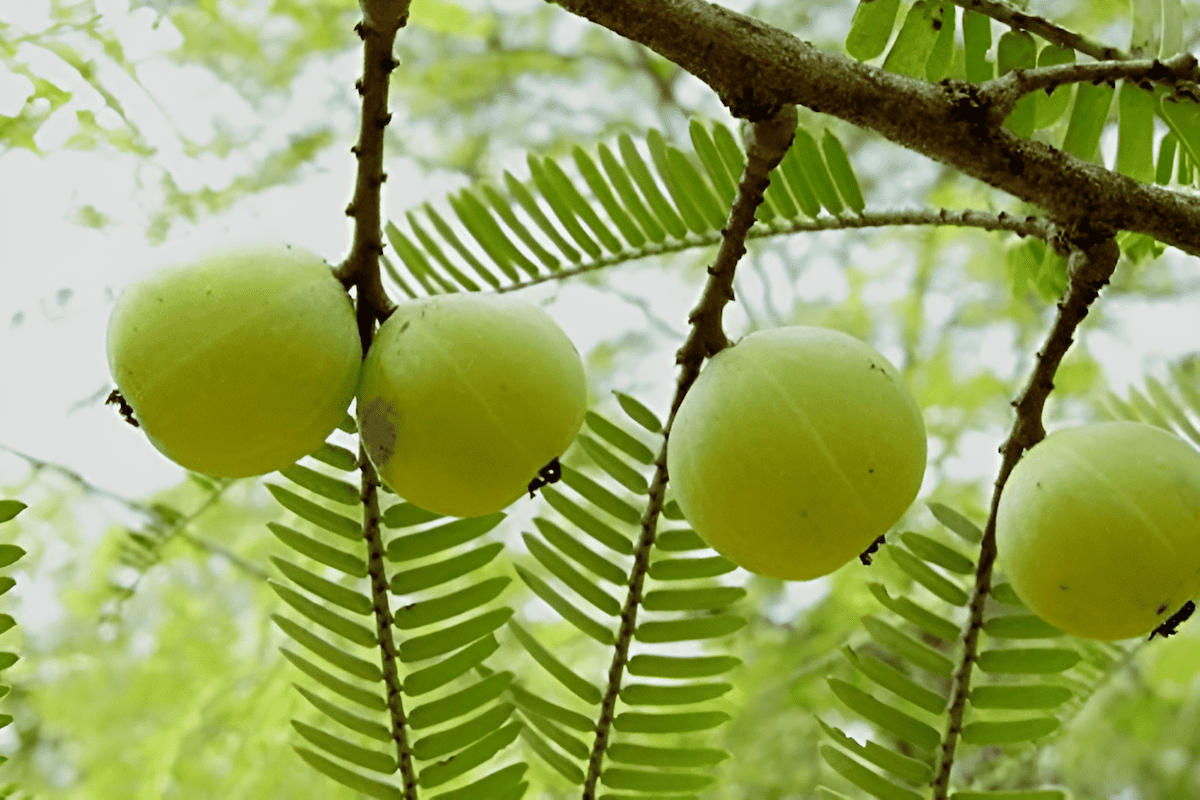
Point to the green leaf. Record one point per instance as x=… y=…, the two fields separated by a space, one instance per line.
x=483 y=226
x=419 y=648
x=723 y=181
x=639 y=414
x=923 y=574
x=557 y=761
x=1004 y=593
x=841 y=171
x=1048 y=109
x=578 y=685
x=617 y=469
x=504 y=210
x=542 y=707
x=580 y=553
x=1020 y=626
x=334 y=655
x=10 y=554
x=862 y=777
x=681 y=667
x=332 y=488
x=956 y=522
x=1017 y=50
x=619 y=439
x=683 y=722
x=683 y=630
x=707 y=598
x=1026 y=794
x=359 y=783
x=404 y=515
x=599 y=496
x=815 y=171
x=414 y=257
x=10 y=509
x=1183 y=117
x=554 y=187
x=677 y=569
x=603 y=533
x=429 y=678
x=595 y=181
x=871 y=28
x=436 y=745
x=527 y=202
x=450 y=237
x=359 y=634
x=440 y=538
x=652 y=694
x=317 y=551
x=444 y=571
x=1020 y=697
x=367 y=699
x=443 y=607
x=935 y=552
x=907 y=769
x=316 y=514
x=623 y=184
x=1028 y=661
x=334 y=593
x=337 y=746
x=670 y=757
x=497 y=785
x=916 y=39
x=896 y=681
x=920 y=616
x=941 y=57
x=697 y=191
x=906 y=647
x=335 y=456
x=684 y=202
x=679 y=540
x=639 y=780
x=559 y=568
x=470 y=758
x=461 y=702
x=352 y=721
x=1082 y=138
x=566 y=609
x=1023 y=730
x=902 y=726
x=977 y=40
x=645 y=181
x=1135 y=132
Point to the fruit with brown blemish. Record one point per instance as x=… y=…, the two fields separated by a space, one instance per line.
x=465 y=397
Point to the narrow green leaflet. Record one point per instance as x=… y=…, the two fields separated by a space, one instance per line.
x=332 y=621
x=909 y=770
x=935 y=552
x=638 y=780
x=540 y=706
x=623 y=184
x=707 y=598
x=723 y=180
x=350 y=691
x=436 y=745
x=1135 y=132
x=677 y=757
x=452 y=638
x=956 y=522
x=687 y=203
x=459 y=703
x=470 y=758
x=683 y=722
x=429 y=678
x=676 y=569
x=907 y=647
x=566 y=609
x=1020 y=697
x=681 y=667
x=345 y=750
x=1017 y=50
x=638 y=412
x=937 y=67
x=583 y=586
x=1165 y=164
x=580 y=553
x=925 y=575
x=648 y=694
x=346 y=777
x=842 y=172
x=556 y=760
x=815 y=171
x=1024 y=730
x=617 y=469
x=440 y=538
x=871 y=28
x=1049 y=109
x=501 y=785
x=619 y=439
x=316 y=514
x=418 y=578
x=916 y=39
x=977 y=40
x=642 y=176
x=574 y=682
x=542 y=176
x=682 y=630
x=1183 y=116
x=354 y=722
x=10 y=508
x=354 y=665
x=504 y=210
x=1092 y=102
x=1028 y=661
x=566 y=191
x=903 y=726
x=896 y=681
x=331 y=488
x=1028 y=794
x=527 y=202
x=918 y=615
x=589 y=524
x=1003 y=593
x=333 y=592
x=599 y=496
x=1020 y=626
x=443 y=607
x=595 y=181
x=864 y=778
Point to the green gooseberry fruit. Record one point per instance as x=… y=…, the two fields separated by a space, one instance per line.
x=1098 y=528
x=465 y=397
x=240 y=362
x=794 y=450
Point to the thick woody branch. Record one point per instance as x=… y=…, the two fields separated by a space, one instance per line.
x=756 y=69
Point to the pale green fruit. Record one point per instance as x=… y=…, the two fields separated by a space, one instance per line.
x=1098 y=528
x=464 y=397
x=794 y=450
x=239 y=363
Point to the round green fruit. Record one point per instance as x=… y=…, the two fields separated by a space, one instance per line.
x=239 y=363
x=794 y=450
x=1098 y=528
x=465 y=397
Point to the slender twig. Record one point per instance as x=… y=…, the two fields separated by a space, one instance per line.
x=1091 y=263
x=768 y=142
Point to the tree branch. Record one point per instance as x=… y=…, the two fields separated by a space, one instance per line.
x=756 y=69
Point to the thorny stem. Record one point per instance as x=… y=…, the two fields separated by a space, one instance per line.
x=768 y=142
x=1091 y=263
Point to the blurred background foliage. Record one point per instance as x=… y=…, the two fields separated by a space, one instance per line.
x=162 y=678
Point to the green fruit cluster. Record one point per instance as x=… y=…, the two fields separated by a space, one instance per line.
x=244 y=361
x=795 y=449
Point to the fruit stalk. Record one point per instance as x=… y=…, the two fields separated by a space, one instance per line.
x=767 y=143
x=1090 y=265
